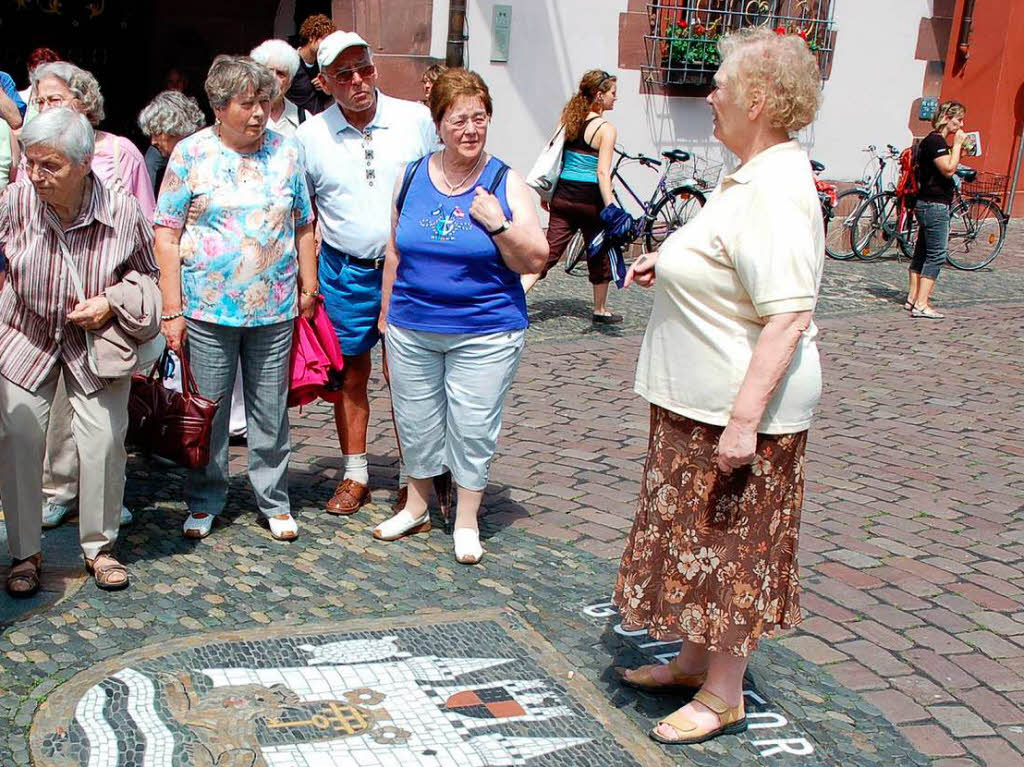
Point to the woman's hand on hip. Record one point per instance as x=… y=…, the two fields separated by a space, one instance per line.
x=486 y=210
x=91 y=313
x=174 y=333
x=736 y=447
x=642 y=271
x=307 y=305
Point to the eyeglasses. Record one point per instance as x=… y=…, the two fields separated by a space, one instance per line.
x=479 y=120
x=47 y=171
x=50 y=101
x=365 y=72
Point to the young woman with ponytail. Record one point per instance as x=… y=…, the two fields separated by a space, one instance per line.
x=585 y=184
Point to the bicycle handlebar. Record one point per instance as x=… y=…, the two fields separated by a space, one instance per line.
x=640 y=158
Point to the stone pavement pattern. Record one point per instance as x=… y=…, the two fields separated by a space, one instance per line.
x=912 y=548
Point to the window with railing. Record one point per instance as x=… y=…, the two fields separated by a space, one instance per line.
x=682 y=47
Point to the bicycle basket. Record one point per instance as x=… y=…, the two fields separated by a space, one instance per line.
x=985 y=183
x=700 y=169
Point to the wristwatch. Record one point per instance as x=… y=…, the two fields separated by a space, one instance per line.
x=503 y=227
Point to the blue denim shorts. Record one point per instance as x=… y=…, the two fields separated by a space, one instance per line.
x=352 y=298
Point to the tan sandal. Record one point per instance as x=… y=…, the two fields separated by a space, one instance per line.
x=643 y=679
x=23 y=578
x=732 y=721
x=109 y=574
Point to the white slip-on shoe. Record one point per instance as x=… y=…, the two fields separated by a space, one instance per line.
x=468 y=550
x=283 y=527
x=197 y=525
x=401 y=524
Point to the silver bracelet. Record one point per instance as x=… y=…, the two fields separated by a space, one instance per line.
x=165 y=317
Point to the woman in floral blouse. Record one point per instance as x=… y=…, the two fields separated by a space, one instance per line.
x=234 y=238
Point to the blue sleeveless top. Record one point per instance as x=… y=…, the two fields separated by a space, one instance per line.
x=451 y=277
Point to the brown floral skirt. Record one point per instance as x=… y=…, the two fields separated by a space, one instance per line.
x=711 y=557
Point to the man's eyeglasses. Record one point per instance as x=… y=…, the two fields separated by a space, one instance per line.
x=50 y=101
x=365 y=72
x=479 y=120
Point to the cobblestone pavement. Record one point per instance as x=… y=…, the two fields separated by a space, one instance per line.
x=912 y=646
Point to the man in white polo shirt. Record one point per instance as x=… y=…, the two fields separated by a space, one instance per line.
x=354 y=151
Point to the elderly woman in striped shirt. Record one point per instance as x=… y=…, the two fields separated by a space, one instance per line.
x=59 y=216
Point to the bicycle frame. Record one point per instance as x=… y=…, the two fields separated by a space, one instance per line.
x=660 y=189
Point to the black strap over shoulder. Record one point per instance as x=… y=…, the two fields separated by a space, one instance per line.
x=496 y=181
x=410 y=171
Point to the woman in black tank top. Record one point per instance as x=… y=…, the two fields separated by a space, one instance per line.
x=585 y=184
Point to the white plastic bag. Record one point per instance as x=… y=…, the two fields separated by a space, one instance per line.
x=543 y=176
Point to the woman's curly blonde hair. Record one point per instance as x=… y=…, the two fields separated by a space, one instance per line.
x=780 y=67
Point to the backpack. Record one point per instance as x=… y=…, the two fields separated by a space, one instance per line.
x=410 y=171
x=908 y=184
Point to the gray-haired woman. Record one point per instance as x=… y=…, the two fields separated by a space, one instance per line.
x=166 y=120
x=236 y=280
x=119 y=166
x=59 y=205
x=283 y=60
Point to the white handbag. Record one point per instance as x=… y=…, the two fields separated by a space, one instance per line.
x=543 y=176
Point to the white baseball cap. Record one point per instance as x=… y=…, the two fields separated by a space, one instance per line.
x=336 y=42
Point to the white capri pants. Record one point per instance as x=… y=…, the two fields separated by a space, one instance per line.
x=448 y=391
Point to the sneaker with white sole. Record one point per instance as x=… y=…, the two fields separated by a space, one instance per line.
x=54 y=514
x=283 y=527
x=197 y=525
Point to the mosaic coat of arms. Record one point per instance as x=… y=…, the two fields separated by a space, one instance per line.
x=372 y=701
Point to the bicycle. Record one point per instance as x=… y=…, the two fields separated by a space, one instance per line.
x=850 y=203
x=672 y=203
x=977 y=226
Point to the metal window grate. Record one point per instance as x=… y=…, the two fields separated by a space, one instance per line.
x=682 y=46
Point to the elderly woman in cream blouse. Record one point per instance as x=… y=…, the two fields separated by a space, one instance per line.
x=730 y=367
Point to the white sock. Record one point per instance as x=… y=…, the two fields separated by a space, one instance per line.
x=403 y=478
x=357 y=468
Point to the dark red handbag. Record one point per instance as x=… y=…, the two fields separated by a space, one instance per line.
x=170 y=424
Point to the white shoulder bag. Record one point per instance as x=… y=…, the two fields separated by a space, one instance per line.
x=543 y=176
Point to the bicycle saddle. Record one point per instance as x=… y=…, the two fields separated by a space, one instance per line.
x=967 y=174
x=676 y=155
x=816 y=166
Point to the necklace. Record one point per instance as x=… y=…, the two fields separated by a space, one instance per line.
x=452 y=187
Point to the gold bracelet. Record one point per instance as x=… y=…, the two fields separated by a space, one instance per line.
x=311 y=293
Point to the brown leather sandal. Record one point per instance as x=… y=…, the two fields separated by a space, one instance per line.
x=348 y=497
x=732 y=721
x=23 y=578
x=109 y=574
x=642 y=678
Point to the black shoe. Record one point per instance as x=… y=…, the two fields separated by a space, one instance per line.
x=607 y=319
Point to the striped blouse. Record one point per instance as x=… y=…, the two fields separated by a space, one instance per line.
x=109 y=238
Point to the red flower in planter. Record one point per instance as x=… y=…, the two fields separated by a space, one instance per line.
x=802 y=34
x=780 y=30
x=699 y=30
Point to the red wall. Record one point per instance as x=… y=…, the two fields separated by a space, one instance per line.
x=990 y=83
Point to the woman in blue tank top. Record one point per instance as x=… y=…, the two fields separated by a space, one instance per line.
x=464 y=229
x=585 y=184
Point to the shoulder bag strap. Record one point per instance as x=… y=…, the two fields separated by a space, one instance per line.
x=76 y=278
x=498 y=177
x=403 y=192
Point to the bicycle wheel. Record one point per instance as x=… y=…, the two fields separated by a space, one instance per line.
x=837 y=228
x=874 y=228
x=908 y=235
x=575 y=252
x=670 y=213
x=977 y=228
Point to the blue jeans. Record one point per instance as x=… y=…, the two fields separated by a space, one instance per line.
x=932 y=238
x=214 y=352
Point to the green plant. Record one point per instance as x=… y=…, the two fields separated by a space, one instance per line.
x=691 y=44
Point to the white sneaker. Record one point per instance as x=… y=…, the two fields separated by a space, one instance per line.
x=126 y=516
x=283 y=527
x=197 y=525
x=401 y=524
x=468 y=550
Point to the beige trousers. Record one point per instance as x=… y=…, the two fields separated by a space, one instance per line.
x=98 y=423
x=60 y=463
